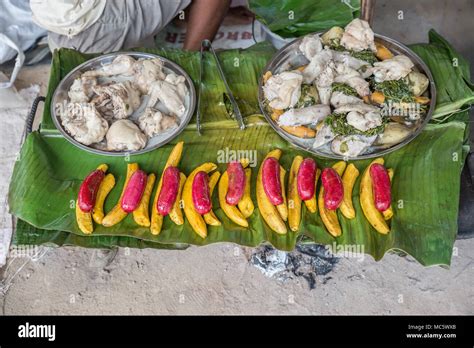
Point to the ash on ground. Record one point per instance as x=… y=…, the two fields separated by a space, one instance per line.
x=307 y=261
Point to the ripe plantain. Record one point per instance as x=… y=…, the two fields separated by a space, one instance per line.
x=195 y=219
x=329 y=217
x=117 y=214
x=268 y=211
x=173 y=160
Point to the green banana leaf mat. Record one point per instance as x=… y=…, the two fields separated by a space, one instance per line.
x=426 y=184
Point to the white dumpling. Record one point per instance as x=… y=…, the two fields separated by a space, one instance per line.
x=124 y=135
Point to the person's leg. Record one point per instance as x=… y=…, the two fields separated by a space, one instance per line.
x=204 y=19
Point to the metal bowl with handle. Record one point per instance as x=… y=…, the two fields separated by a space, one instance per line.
x=289 y=57
x=60 y=97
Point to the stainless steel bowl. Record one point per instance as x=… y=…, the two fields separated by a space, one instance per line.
x=290 y=57
x=60 y=96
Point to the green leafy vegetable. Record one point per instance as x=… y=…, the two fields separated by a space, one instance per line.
x=365 y=55
x=344 y=88
x=394 y=90
x=339 y=126
x=309 y=96
x=294 y=18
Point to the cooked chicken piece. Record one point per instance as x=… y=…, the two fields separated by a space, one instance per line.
x=309 y=115
x=169 y=94
x=124 y=135
x=358 y=36
x=323 y=136
x=359 y=107
x=154 y=122
x=392 y=69
x=121 y=65
x=124 y=97
x=147 y=71
x=324 y=81
x=310 y=45
x=84 y=123
x=81 y=90
x=352 y=78
x=364 y=122
x=351 y=145
x=317 y=64
x=283 y=90
x=349 y=61
x=179 y=81
x=103 y=104
x=338 y=99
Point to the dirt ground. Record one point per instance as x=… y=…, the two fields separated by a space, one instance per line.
x=219 y=279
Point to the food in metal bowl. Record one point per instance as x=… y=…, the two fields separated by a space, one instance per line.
x=350 y=93
x=122 y=104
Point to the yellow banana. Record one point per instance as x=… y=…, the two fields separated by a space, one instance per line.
x=348 y=180
x=371 y=213
x=104 y=189
x=211 y=218
x=84 y=220
x=268 y=211
x=245 y=204
x=388 y=214
x=294 y=200
x=176 y=215
x=283 y=208
x=311 y=203
x=141 y=215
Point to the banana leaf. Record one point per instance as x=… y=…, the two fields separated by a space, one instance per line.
x=49 y=172
x=455 y=92
x=294 y=18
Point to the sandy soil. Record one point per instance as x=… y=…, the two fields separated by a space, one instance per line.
x=218 y=279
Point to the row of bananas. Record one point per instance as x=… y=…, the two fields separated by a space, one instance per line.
x=176 y=193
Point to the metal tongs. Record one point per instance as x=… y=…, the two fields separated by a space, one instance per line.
x=206 y=44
